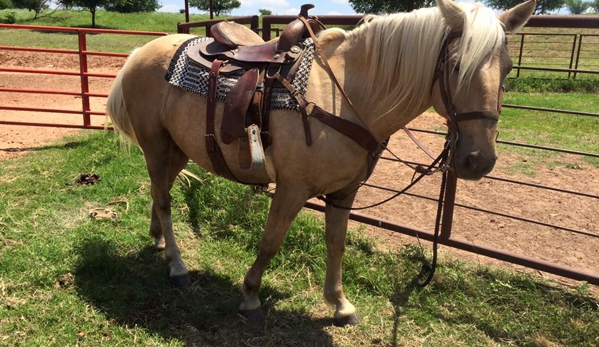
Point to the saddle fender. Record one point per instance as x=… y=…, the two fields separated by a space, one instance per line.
x=237 y=104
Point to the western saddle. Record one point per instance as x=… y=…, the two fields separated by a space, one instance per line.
x=237 y=49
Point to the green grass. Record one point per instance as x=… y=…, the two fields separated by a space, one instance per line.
x=150 y=21
x=576 y=133
x=67 y=280
x=153 y=21
x=553 y=84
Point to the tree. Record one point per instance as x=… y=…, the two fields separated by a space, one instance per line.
x=32 y=5
x=218 y=6
x=543 y=6
x=595 y=6
x=264 y=12
x=90 y=5
x=4 y=4
x=130 y=6
x=577 y=6
x=388 y=6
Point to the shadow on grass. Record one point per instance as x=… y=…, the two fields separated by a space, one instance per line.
x=552 y=313
x=67 y=145
x=134 y=291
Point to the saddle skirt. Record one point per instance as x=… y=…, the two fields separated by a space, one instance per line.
x=186 y=74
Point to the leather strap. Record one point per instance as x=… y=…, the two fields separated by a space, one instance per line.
x=214 y=153
x=328 y=69
x=266 y=104
x=443 y=76
x=352 y=130
x=211 y=107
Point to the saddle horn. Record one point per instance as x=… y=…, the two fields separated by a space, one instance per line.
x=304 y=10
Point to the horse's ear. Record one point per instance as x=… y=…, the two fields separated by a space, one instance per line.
x=517 y=16
x=453 y=14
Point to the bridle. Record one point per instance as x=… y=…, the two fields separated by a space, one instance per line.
x=442 y=74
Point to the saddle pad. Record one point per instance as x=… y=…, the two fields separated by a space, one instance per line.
x=185 y=74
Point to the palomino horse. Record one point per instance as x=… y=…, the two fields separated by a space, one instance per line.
x=452 y=57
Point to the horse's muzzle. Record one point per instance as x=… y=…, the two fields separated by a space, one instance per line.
x=474 y=165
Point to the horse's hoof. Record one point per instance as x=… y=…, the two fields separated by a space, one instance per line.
x=254 y=315
x=180 y=281
x=159 y=244
x=352 y=319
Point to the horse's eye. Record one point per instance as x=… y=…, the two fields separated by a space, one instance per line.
x=456 y=67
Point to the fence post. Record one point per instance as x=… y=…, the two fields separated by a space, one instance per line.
x=255 y=24
x=266 y=28
x=578 y=55
x=572 y=55
x=448 y=205
x=84 y=79
x=520 y=54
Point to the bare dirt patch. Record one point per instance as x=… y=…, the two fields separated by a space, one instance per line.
x=20 y=139
x=565 y=245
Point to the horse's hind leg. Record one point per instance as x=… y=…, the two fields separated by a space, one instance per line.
x=336 y=231
x=286 y=203
x=177 y=162
x=165 y=161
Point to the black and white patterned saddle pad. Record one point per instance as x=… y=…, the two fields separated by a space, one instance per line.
x=185 y=74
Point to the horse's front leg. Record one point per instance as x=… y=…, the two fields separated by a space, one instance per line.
x=336 y=231
x=286 y=203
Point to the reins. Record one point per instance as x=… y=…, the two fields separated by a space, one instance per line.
x=442 y=74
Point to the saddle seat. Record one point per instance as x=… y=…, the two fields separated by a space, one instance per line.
x=233 y=35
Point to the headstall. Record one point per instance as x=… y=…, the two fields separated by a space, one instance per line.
x=442 y=73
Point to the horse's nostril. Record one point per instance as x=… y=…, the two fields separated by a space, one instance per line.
x=472 y=160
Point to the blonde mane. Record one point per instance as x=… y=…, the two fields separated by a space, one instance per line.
x=402 y=49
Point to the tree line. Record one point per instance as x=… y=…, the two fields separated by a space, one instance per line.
x=223 y=7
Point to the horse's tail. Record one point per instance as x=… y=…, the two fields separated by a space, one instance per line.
x=116 y=108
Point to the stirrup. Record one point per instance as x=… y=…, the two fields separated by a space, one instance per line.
x=251 y=152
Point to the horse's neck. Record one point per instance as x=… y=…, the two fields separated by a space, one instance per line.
x=348 y=64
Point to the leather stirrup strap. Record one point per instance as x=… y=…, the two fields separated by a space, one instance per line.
x=266 y=104
x=214 y=153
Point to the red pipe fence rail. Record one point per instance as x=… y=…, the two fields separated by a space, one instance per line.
x=83 y=73
x=272 y=24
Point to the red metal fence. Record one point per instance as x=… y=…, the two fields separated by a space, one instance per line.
x=269 y=25
x=80 y=34
x=579 y=47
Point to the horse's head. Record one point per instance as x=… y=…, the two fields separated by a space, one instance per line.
x=468 y=88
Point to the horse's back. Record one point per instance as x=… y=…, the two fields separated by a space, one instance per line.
x=159 y=110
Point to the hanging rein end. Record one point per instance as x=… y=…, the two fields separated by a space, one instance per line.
x=425 y=276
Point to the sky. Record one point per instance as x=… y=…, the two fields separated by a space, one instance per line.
x=278 y=7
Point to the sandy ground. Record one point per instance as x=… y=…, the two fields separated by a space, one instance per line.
x=566 y=247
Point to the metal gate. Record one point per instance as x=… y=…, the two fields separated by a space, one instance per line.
x=83 y=73
x=269 y=25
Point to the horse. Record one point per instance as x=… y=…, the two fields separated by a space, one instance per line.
x=391 y=68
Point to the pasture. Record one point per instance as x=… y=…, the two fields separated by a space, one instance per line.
x=68 y=279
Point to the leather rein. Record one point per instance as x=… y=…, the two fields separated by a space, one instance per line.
x=442 y=73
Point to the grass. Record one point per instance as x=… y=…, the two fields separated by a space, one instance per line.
x=150 y=21
x=153 y=21
x=576 y=133
x=66 y=279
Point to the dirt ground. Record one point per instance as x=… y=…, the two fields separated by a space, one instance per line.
x=576 y=247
